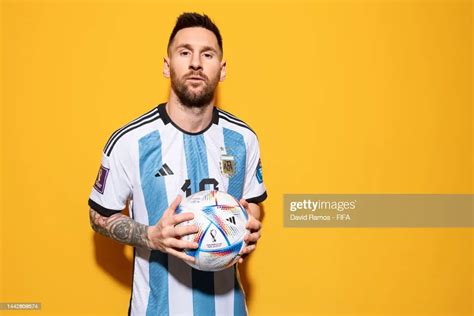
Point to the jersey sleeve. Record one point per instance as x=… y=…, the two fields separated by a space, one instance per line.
x=254 y=188
x=112 y=187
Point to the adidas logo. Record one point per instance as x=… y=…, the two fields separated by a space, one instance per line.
x=231 y=219
x=164 y=171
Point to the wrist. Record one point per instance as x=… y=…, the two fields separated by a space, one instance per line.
x=149 y=243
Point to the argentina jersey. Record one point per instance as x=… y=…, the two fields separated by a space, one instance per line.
x=145 y=165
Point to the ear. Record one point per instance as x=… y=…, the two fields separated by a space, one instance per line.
x=223 y=70
x=166 y=67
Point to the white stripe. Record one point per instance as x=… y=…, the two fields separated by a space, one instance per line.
x=180 y=293
x=141 y=288
x=239 y=281
x=223 y=280
x=214 y=139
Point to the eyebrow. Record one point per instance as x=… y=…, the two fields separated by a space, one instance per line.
x=204 y=48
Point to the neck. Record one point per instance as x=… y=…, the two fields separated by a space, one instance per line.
x=192 y=120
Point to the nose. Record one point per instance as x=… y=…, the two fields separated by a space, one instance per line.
x=195 y=62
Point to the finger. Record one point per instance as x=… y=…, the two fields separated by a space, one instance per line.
x=247 y=250
x=175 y=203
x=181 y=244
x=186 y=230
x=183 y=217
x=244 y=203
x=172 y=208
x=181 y=255
x=168 y=232
x=252 y=238
x=242 y=258
x=253 y=224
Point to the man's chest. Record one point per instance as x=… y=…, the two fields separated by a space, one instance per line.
x=190 y=164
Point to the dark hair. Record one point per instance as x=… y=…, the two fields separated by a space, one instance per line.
x=193 y=19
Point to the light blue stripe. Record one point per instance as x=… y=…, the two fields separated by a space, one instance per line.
x=235 y=146
x=197 y=166
x=239 y=299
x=154 y=191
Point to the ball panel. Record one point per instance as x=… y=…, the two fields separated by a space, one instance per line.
x=213 y=239
x=221 y=222
x=217 y=260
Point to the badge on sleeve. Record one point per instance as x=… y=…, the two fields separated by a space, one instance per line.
x=99 y=184
x=258 y=172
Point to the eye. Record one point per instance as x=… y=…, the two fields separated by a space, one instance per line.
x=184 y=53
x=208 y=55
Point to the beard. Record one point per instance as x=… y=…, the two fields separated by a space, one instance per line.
x=189 y=98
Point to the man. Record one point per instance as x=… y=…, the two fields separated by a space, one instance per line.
x=179 y=148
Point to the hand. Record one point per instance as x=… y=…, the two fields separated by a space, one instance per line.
x=166 y=237
x=254 y=226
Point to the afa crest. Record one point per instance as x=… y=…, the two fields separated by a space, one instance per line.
x=227 y=165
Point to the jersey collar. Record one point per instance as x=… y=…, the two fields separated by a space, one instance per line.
x=166 y=119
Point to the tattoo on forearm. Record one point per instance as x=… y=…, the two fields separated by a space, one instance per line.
x=121 y=228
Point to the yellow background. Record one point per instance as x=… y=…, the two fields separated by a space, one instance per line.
x=346 y=97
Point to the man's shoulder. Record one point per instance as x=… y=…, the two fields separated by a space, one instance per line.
x=230 y=121
x=130 y=131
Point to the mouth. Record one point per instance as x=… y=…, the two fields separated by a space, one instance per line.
x=195 y=78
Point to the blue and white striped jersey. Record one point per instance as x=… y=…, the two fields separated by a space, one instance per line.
x=146 y=164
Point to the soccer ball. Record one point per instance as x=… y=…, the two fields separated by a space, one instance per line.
x=221 y=221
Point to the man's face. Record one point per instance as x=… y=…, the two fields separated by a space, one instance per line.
x=194 y=66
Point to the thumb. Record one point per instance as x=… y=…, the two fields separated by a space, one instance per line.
x=244 y=203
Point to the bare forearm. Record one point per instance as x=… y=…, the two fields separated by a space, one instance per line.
x=120 y=228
